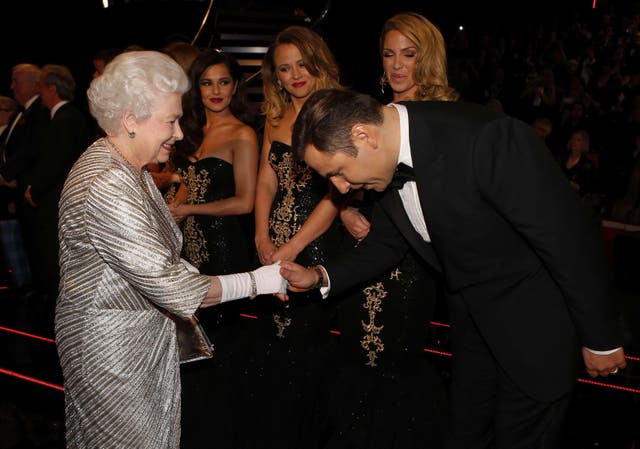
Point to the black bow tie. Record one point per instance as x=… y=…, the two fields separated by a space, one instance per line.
x=402 y=174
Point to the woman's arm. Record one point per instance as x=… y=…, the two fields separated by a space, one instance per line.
x=245 y=167
x=266 y=188
x=318 y=222
x=352 y=219
x=261 y=281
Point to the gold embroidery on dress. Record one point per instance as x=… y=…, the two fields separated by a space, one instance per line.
x=282 y=322
x=195 y=247
x=283 y=222
x=292 y=177
x=170 y=194
x=371 y=342
x=373 y=296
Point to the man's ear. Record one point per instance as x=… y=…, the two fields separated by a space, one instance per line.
x=363 y=133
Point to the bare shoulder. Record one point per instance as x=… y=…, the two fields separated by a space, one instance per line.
x=281 y=131
x=245 y=132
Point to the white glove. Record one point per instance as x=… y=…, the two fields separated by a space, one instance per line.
x=263 y=281
x=269 y=281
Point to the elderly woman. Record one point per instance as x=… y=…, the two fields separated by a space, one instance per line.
x=122 y=280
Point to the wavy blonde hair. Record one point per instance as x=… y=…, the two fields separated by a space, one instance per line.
x=430 y=73
x=318 y=60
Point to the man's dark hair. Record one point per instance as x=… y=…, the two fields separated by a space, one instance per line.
x=326 y=119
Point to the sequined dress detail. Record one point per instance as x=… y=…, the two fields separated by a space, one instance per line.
x=215 y=244
x=293 y=337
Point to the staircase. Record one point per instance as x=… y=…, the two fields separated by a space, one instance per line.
x=247 y=31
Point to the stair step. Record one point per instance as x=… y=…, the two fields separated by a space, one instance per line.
x=247 y=36
x=244 y=49
x=227 y=37
x=249 y=62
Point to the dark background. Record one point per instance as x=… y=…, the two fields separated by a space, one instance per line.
x=70 y=31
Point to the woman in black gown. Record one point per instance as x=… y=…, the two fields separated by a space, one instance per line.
x=385 y=393
x=295 y=220
x=213 y=204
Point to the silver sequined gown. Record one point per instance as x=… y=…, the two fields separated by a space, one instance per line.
x=120 y=269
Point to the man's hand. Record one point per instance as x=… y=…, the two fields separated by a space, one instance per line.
x=603 y=365
x=300 y=279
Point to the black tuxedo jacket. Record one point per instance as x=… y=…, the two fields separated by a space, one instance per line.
x=510 y=236
x=65 y=138
x=24 y=144
x=63 y=141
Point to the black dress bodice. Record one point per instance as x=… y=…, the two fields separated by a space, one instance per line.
x=214 y=244
x=300 y=189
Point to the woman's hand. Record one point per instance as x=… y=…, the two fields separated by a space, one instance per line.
x=357 y=225
x=266 y=249
x=179 y=211
x=285 y=252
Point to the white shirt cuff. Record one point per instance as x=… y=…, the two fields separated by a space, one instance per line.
x=610 y=351
x=324 y=291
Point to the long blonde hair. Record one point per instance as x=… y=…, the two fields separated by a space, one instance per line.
x=430 y=73
x=318 y=60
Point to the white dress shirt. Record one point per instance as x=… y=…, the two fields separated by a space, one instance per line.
x=409 y=192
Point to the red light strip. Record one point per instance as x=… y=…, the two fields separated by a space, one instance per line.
x=25 y=334
x=433 y=351
x=586 y=381
x=244 y=315
x=31 y=379
x=603 y=384
x=436 y=324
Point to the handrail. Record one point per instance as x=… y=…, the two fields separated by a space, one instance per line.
x=204 y=21
x=319 y=19
x=323 y=14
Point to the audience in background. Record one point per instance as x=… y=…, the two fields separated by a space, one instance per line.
x=22 y=144
x=66 y=136
x=102 y=58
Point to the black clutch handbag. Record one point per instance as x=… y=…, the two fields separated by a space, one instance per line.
x=193 y=342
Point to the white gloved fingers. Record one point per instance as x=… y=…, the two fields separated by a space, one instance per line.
x=269 y=280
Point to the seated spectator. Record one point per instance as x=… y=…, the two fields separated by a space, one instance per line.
x=544 y=127
x=579 y=168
